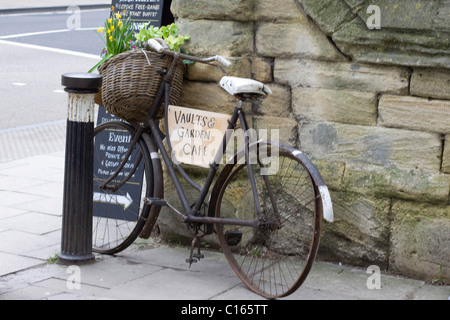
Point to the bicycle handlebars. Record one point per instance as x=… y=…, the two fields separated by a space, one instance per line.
x=159 y=46
x=154 y=45
x=223 y=61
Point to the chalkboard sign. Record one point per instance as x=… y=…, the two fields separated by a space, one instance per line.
x=111 y=145
x=124 y=206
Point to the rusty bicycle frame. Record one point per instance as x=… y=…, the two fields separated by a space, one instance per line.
x=155 y=139
x=192 y=216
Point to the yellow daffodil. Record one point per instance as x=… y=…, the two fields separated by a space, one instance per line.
x=112 y=8
x=117 y=34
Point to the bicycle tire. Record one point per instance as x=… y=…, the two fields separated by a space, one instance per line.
x=118 y=216
x=274 y=259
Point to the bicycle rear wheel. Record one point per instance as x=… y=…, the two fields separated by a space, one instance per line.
x=273 y=259
x=119 y=215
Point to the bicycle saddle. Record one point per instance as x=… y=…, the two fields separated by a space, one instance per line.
x=236 y=86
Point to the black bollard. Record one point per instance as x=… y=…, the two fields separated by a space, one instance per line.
x=76 y=237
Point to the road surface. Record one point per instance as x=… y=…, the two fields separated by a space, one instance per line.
x=35 y=50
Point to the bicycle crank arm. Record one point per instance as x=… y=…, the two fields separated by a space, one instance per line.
x=155 y=202
x=163 y=203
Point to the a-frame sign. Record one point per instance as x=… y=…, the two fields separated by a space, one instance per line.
x=108 y=154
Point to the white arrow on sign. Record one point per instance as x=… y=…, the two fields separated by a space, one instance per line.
x=114 y=199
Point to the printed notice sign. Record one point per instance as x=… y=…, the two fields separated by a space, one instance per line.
x=140 y=11
x=195 y=135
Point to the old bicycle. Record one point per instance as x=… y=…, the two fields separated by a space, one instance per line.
x=266 y=203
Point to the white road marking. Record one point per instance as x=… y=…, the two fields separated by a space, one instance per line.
x=30 y=34
x=32 y=46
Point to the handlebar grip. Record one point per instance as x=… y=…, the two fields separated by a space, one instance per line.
x=154 y=45
x=225 y=62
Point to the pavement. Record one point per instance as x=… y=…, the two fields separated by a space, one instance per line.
x=31 y=196
x=31 y=192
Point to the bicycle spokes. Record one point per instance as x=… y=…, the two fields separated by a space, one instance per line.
x=273 y=258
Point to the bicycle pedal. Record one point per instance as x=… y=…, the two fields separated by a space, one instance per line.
x=191 y=261
x=198 y=256
x=155 y=202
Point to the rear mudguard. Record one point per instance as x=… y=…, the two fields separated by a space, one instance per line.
x=321 y=190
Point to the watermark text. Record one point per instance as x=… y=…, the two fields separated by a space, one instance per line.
x=73 y=22
x=374 y=20
x=374 y=281
x=74 y=280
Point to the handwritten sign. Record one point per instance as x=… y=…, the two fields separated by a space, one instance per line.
x=195 y=135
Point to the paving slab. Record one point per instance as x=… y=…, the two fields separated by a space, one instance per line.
x=11 y=263
x=32 y=222
x=19 y=242
x=30 y=234
x=142 y=275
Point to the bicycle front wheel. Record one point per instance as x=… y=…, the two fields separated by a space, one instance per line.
x=273 y=259
x=119 y=213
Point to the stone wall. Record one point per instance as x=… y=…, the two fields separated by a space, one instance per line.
x=370 y=107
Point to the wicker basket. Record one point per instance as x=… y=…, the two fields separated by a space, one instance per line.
x=130 y=84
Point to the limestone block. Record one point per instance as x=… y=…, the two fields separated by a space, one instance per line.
x=413 y=113
x=207 y=96
x=409 y=15
x=341 y=76
x=360 y=233
x=302 y=40
x=171 y=228
x=442 y=18
x=422 y=48
x=332 y=172
x=344 y=106
x=209 y=37
x=431 y=83
x=371 y=145
x=281 y=11
x=446 y=155
x=391 y=181
x=420 y=240
x=284 y=128
x=241 y=67
x=413 y=33
x=262 y=69
x=278 y=104
x=329 y=15
x=356 y=3
x=238 y=10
